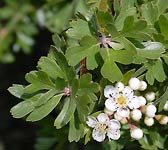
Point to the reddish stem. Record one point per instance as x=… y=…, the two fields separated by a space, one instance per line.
x=130 y=124
x=84 y=68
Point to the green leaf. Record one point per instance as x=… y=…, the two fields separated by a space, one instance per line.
x=66 y=113
x=58 y=41
x=135 y=30
x=63 y=64
x=124 y=12
x=162 y=100
x=88 y=50
x=40 y=79
x=104 y=18
x=50 y=67
x=42 y=111
x=162 y=5
x=163 y=24
x=117 y=36
x=88 y=136
x=102 y=5
x=111 y=71
x=82 y=107
x=86 y=84
x=46 y=96
x=150 y=12
x=16 y=90
x=155 y=71
x=149 y=75
x=79 y=29
x=23 y=108
x=76 y=130
x=152 y=50
x=159 y=73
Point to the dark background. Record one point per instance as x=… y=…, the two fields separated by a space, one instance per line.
x=16 y=134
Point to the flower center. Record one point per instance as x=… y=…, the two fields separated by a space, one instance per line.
x=102 y=127
x=121 y=101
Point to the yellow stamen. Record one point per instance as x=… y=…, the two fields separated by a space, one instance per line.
x=121 y=101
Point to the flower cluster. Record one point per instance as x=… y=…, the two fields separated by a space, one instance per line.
x=125 y=104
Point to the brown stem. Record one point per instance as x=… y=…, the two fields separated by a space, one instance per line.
x=84 y=68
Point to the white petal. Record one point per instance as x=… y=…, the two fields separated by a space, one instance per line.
x=114 y=124
x=103 y=118
x=113 y=134
x=120 y=86
x=128 y=91
x=110 y=105
x=134 y=103
x=123 y=112
x=98 y=135
x=110 y=91
x=91 y=121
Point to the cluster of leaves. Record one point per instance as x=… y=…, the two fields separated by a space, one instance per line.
x=83 y=62
x=20 y=23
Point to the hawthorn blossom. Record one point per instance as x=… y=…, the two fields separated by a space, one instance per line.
x=121 y=100
x=103 y=126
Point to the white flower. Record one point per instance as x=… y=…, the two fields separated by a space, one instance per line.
x=136 y=133
x=149 y=121
x=143 y=86
x=136 y=114
x=150 y=110
x=134 y=83
x=150 y=96
x=102 y=126
x=166 y=106
x=120 y=101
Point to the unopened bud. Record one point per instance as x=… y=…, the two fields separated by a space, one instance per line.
x=150 y=110
x=136 y=114
x=166 y=106
x=134 y=83
x=107 y=111
x=142 y=100
x=150 y=96
x=136 y=133
x=162 y=119
x=117 y=117
x=143 y=86
x=149 y=121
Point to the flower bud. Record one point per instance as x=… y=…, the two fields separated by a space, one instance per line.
x=134 y=83
x=142 y=100
x=117 y=117
x=162 y=119
x=123 y=121
x=150 y=96
x=136 y=114
x=120 y=86
x=150 y=110
x=107 y=111
x=166 y=106
x=136 y=133
x=143 y=86
x=149 y=121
